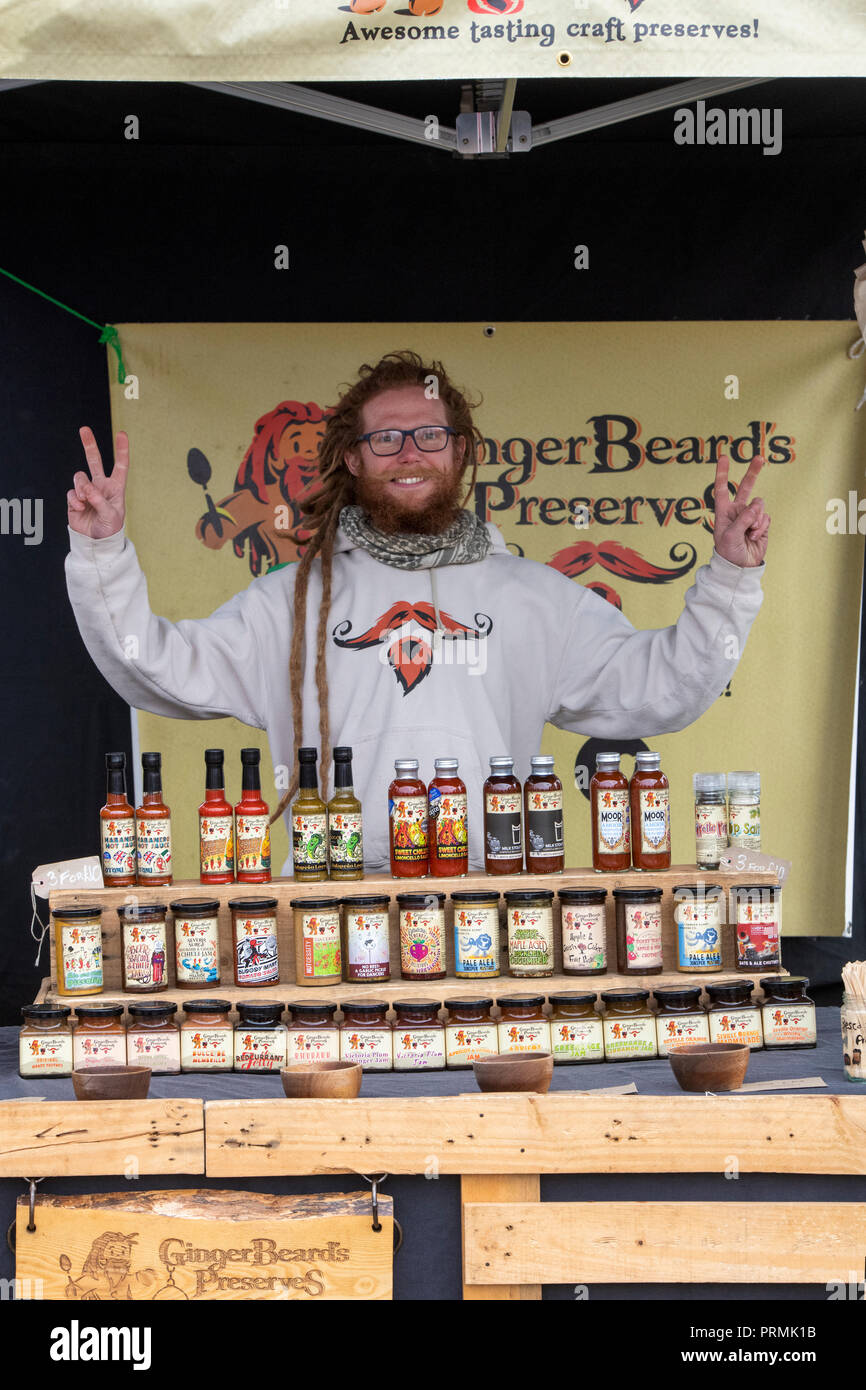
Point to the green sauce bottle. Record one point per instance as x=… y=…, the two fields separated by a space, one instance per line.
x=309 y=823
x=345 y=822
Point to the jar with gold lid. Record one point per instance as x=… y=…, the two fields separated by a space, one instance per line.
x=529 y=915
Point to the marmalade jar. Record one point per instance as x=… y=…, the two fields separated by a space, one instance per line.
x=679 y=1016
x=787 y=1013
x=733 y=1015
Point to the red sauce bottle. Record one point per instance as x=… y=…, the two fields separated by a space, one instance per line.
x=407 y=821
x=542 y=804
x=503 y=828
x=215 y=824
x=608 y=796
x=253 y=838
x=152 y=827
x=650 y=814
x=117 y=827
x=447 y=819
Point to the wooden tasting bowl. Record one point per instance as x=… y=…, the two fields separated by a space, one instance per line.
x=517 y=1071
x=702 y=1066
x=340 y=1080
x=111 y=1083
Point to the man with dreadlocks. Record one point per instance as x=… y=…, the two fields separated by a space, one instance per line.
x=360 y=642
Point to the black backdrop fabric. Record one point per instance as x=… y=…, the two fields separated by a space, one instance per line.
x=180 y=226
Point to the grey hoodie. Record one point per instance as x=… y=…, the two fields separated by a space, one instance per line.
x=464 y=661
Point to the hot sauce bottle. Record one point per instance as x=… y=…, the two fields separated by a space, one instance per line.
x=215 y=825
x=407 y=821
x=503 y=828
x=609 y=800
x=252 y=824
x=309 y=823
x=152 y=827
x=117 y=827
x=447 y=820
x=542 y=799
x=650 y=814
x=345 y=822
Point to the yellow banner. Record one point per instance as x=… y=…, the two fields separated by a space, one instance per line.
x=614 y=427
x=388 y=40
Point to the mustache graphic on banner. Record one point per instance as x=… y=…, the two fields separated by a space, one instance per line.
x=622 y=561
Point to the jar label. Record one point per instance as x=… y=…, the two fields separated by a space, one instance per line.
x=48 y=1054
x=216 y=845
x=144 y=954
x=159 y=1051
x=577 y=1039
x=313 y=1045
x=256 y=950
x=711 y=833
x=643 y=935
x=680 y=1028
x=744 y=824
x=81 y=947
x=476 y=940
x=655 y=824
x=853 y=1040
x=372 y=1047
x=321 y=944
x=530 y=938
x=699 y=941
x=367 y=945
x=448 y=820
x=526 y=1035
x=758 y=928
x=309 y=840
x=503 y=837
x=613 y=819
x=197 y=950
x=346 y=830
x=544 y=824
x=408 y=829
x=98 y=1049
x=253 y=843
x=118 y=847
x=421 y=940
x=737 y=1026
x=260 y=1049
x=630 y=1037
x=153 y=847
x=789 y=1023
x=465 y=1043
x=583 y=937
x=204 y=1048
x=419 y=1049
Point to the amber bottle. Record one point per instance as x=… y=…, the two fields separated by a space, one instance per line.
x=542 y=805
x=503 y=829
x=649 y=804
x=407 y=821
x=447 y=821
x=609 y=802
x=152 y=827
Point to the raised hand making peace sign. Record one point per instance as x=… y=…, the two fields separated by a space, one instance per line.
x=96 y=505
x=741 y=526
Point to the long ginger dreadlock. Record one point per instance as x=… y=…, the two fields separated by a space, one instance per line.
x=320 y=514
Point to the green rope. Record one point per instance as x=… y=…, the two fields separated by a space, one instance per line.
x=108 y=335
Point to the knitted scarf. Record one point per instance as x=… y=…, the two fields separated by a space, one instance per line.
x=465 y=541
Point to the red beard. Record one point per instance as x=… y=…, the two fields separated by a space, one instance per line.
x=387 y=514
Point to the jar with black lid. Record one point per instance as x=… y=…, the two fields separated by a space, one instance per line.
x=260 y=1036
x=476 y=935
x=419 y=1036
x=757 y=912
x=575 y=1027
x=196 y=942
x=470 y=1032
x=143 y=947
x=733 y=1015
x=45 y=1041
x=366 y=1035
x=422 y=935
x=99 y=1037
x=366 y=941
x=787 y=1013
x=530 y=933
x=206 y=1036
x=584 y=932
x=153 y=1037
x=523 y=1025
x=680 y=1017
x=639 y=930
x=313 y=1035
x=629 y=1025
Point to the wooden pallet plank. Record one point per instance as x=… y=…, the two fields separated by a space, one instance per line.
x=71 y=1138
x=498 y=1188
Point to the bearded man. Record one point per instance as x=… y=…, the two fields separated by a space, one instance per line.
x=397 y=588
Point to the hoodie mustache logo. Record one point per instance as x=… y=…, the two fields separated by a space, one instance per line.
x=407 y=631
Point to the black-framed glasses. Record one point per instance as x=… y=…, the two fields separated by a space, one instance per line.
x=428 y=438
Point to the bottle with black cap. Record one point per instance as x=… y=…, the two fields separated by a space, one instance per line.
x=252 y=823
x=152 y=827
x=309 y=823
x=345 y=822
x=216 y=838
x=117 y=827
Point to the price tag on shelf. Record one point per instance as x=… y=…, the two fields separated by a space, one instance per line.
x=746 y=861
x=69 y=873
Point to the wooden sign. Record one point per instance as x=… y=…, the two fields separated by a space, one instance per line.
x=197 y=1246
x=750 y=861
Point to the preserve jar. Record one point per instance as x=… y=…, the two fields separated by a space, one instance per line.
x=143 y=947
x=366 y=1035
x=313 y=1035
x=78 y=949
x=503 y=827
x=366 y=938
x=542 y=810
x=610 y=815
x=787 y=1013
x=99 y=1037
x=447 y=821
x=419 y=1037
x=629 y=1025
x=260 y=1040
x=530 y=933
x=584 y=934
x=679 y=1016
x=196 y=942
x=638 y=930
x=254 y=941
x=422 y=935
x=698 y=923
x=711 y=818
x=470 y=1032
x=853 y=1019
x=153 y=1037
x=575 y=1028
x=206 y=1036
x=45 y=1041
x=476 y=935
x=758 y=917
x=650 y=814
x=522 y=1025
x=318 y=959
x=407 y=821
x=733 y=1015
